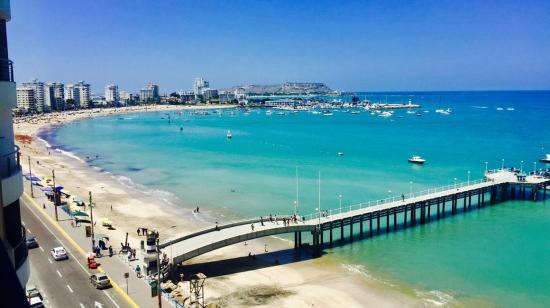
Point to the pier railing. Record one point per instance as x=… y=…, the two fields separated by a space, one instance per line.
x=362 y=205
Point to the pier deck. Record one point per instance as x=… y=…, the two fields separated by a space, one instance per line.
x=496 y=186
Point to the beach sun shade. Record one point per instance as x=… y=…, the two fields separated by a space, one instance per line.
x=79 y=213
x=46 y=189
x=34 y=178
x=59 y=188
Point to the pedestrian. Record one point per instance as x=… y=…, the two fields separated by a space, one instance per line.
x=403 y=197
x=197 y=209
x=111 y=207
x=252 y=226
x=129 y=256
x=43 y=205
x=138 y=231
x=138 y=271
x=110 y=251
x=262 y=220
x=133 y=253
x=217 y=228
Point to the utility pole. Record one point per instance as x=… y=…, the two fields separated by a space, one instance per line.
x=158 y=273
x=30 y=175
x=54 y=195
x=92 y=220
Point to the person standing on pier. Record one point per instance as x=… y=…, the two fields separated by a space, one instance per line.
x=403 y=197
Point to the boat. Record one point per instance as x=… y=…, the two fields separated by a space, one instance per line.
x=328 y=113
x=546 y=159
x=340 y=153
x=386 y=114
x=500 y=108
x=229 y=135
x=280 y=113
x=355 y=112
x=269 y=112
x=510 y=109
x=417 y=160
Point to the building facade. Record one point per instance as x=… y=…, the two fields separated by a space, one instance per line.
x=54 y=94
x=38 y=87
x=199 y=84
x=12 y=233
x=26 y=100
x=81 y=94
x=111 y=94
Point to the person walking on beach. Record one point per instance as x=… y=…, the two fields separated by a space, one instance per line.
x=138 y=231
x=138 y=271
x=252 y=227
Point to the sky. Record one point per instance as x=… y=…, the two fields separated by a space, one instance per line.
x=348 y=45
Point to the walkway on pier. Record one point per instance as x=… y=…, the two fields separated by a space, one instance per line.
x=496 y=183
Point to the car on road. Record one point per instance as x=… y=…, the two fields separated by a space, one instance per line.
x=100 y=281
x=31 y=242
x=34 y=297
x=59 y=253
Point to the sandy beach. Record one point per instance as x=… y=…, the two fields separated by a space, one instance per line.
x=307 y=282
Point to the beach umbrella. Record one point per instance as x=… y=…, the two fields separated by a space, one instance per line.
x=46 y=189
x=80 y=213
x=58 y=188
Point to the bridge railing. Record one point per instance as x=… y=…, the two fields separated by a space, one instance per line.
x=335 y=212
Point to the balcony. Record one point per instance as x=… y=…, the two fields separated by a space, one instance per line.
x=10 y=163
x=6 y=70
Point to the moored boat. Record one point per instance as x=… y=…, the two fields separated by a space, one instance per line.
x=415 y=159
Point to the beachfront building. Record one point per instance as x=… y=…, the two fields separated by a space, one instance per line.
x=54 y=93
x=81 y=94
x=150 y=93
x=111 y=94
x=226 y=97
x=38 y=87
x=26 y=100
x=69 y=91
x=199 y=84
x=14 y=264
x=209 y=94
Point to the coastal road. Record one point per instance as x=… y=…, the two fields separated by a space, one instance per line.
x=62 y=283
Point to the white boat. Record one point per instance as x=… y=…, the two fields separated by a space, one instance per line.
x=340 y=153
x=500 y=108
x=444 y=111
x=355 y=112
x=417 y=160
x=269 y=112
x=546 y=159
x=328 y=114
x=229 y=135
x=386 y=114
x=280 y=113
x=510 y=109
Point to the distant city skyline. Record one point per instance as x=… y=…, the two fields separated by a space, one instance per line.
x=351 y=46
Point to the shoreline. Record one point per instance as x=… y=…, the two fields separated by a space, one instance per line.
x=308 y=282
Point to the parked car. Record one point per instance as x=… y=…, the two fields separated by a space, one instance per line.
x=31 y=242
x=34 y=297
x=100 y=281
x=59 y=253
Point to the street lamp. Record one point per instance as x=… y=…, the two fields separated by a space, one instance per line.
x=410 y=189
x=295 y=208
x=502 y=164
x=455 y=182
x=389 y=194
x=340 y=199
x=521 y=167
x=486 y=164
x=534 y=167
x=468 y=177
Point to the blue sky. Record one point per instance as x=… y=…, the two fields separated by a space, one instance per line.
x=349 y=45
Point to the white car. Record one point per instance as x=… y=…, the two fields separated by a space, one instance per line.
x=34 y=297
x=59 y=253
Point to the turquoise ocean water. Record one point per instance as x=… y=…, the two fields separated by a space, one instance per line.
x=496 y=256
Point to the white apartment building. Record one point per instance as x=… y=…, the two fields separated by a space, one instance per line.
x=82 y=94
x=26 y=99
x=111 y=94
x=38 y=87
x=199 y=84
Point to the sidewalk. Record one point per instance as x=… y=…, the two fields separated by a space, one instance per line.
x=115 y=267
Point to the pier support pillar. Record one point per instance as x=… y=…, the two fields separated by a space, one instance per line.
x=464 y=208
x=387 y=221
x=544 y=192
x=438 y=210
x=378 y=222
x=370 y=224
x=361 y=226
x=405 y=217
x=295 y=240
x=299 y=239
x=342 y=231
x=330 y=234
x=443 y=208
x=429 y=211
x=470 y=200
x=413 y=214
x=394 y=219
x=351 y=229
x=482 y=197
x=422 y=214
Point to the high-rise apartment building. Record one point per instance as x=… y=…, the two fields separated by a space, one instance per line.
x=13 y=249
x=150 y=93
x=38 y=87
x=26 y=99
x=54 y=93
x=81 y=94
x=199 y=84
x=111 y=94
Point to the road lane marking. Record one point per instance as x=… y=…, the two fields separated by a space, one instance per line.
x=59 y=274
x=119 y=290
x=69 y=287
x=41 y=249
x=112 y=300
x=29 y=230
x=50 y=261
x=82 y=305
